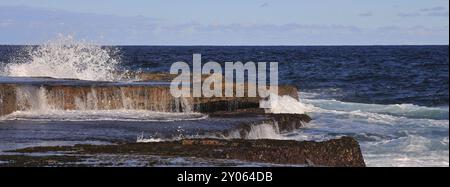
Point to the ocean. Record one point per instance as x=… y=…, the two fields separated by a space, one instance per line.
x=393 y=99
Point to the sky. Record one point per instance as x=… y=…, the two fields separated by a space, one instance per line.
x=227 y=22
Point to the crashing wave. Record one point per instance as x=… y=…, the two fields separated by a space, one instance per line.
x=66 y=58
x=398 y=110
x=285 y=105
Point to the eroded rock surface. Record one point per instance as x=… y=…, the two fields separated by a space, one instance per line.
x=343 y=152
x=62 y=94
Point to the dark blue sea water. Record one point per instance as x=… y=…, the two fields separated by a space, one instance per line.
x=367 y=74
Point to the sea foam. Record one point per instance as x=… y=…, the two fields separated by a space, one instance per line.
x=102 y=115
x=285 y=105
x=389 y=135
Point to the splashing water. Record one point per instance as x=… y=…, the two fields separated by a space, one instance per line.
x=67 y=58
x=285 y=105
x=389 y=135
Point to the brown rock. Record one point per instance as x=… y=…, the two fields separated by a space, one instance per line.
x=343 y=152
x=7 y=99
x=103 y=97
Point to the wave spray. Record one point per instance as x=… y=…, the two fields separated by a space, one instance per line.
x=66 y=57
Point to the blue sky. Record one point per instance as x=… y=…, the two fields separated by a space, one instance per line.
x=227 y=22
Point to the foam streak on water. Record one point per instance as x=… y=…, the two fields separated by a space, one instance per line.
x=102 y=115
x=389 y=135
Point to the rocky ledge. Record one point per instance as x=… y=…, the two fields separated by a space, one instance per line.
x=152 y=93
x=343 y=152
x=19 y=94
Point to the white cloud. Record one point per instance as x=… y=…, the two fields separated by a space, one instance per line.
x=24 y=25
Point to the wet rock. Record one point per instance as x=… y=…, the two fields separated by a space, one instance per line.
x=154 y=98
x=289 y=90
x=269 y=127
x=290 y=122
x=7 y=99
x=40 y=161
x=343 y=152
x=63 y=94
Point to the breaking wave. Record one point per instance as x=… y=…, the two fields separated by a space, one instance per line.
x=399 y=110
x=284 y=104
x=66 y=57
x=389 y=135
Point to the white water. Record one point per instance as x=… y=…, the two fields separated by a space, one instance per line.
x=36 y=98
x=284 y=104
x=37 y=104
x=256 y=131
x=66 y=58
x=142 y=139
x=400 y=110
x=260 y=131
x=389 y=135
x=264 y=131
x=102 y=115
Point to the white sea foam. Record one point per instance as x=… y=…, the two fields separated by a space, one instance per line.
x=102 y=115
x=444 y=141
x=66 y=58
x=142 y=139
x=285 y=104
x=149 y=140
x=389 y=135
x=404 y=110
x=410 y=150
x=259 y=131
x=429 y=159
x=264 y=131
